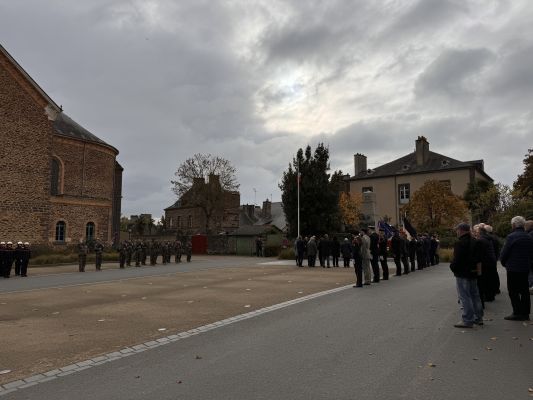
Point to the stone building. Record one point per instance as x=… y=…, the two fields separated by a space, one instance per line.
x=188 y=217
x=388 y=187
x=60 y=182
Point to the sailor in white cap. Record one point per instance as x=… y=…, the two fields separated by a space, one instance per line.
x=17 y=256
x=25 y=259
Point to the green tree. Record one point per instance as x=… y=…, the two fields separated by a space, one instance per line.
x=483 y=198
x=523 y=185
x=319 y=192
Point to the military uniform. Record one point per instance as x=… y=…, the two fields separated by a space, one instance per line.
x=188 y=251
x=25 y=255
x=98 y=250
x=17 y=254
x=129 y=250
x=143 y=252
x=138 y=254
x=82 y=256
x=179 y=250
x=122 y=254
x=9 y=256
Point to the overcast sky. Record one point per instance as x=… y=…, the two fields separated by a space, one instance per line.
x=252 y=81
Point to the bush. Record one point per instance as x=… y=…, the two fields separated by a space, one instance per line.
x=445 y=254
x=286 y=254
x=72 y=258
x=271 y=251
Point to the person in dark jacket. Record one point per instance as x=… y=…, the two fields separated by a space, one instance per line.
x=324 y=251
x=300 y=250
x=516 y=257
x=404 y=252
x=396 y=247
x=382 y=250
x=529 y=231
x=489 y=262
x=335 y=251
x=346 y=252
x=357 y=260
x=420 y=255
x=9 y=256
x=17 y=256
x=374 y=252
x=427 y=249
x=412 y=253
x=311 y=252
x=466 y=266
x=25 y=255
x=497 y=248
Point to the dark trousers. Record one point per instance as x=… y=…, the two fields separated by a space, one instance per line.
x=24 y=267
x=300 y=259
x=335 y=261
x=82 y=259
x=405 y=265
x=384 y=267
x=518 y=288
x=481 y=284
x=188 y=257
x=358 y=266
x=311 y=261
x=397 y=261
x=374 y=262
x=346 y=261
x=17 y=267
x=412 y=261
x=420 y=260
x=122 y=260
x=98 y=261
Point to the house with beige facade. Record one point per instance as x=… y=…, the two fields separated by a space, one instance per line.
x=388 y=187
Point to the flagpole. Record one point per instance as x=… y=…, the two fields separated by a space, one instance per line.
x=298 y=179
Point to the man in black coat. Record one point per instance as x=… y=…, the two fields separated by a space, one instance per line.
x=517 y=257
x=488 y=265
x=374 y=252
x=396 y=247
x=357 y=260
x=412 y=253
x=346 y=252
x=300 y=250
x=382 y=248
x=466 y=266
x=9 y=256
x=324 y=249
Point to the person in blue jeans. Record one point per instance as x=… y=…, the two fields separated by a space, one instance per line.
x=466 y=266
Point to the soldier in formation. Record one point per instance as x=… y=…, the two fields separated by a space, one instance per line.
x=98 y=250
x=83 y=249
x=20 y=256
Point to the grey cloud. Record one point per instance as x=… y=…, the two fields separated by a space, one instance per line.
x=451 y=72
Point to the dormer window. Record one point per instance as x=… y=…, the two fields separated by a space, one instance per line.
x=444 y=163
x=405 y=167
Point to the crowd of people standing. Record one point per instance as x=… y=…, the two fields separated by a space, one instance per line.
x=474 y=266
x=18 y=255
x=369 y=250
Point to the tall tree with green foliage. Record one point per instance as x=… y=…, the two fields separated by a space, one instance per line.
x=523 y=185
x=319 y=193
x=483 y=199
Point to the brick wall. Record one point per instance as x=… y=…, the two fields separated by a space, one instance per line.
x=25 y=145
x=76 y=218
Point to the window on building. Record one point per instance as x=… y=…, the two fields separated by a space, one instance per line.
x=61 y=229
x=404 y=193
x=189 y=222
x=178 y=222
x=54 y=176
x=171 y=222
x=367 y=189
x=89 y=231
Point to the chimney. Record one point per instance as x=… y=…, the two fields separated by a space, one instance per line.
x=266 y=212
x=214 y=179
x=422 y=150
x=198 y=181
x=359 y=161
x=250 y=211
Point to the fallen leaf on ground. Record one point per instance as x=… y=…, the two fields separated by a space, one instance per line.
x=488 y=348
x=494 y=338
x=178 y=381
x=55 y=312
x=5 y=371
x=431 y=365
x=248 y=290
x=137 y=377
x=247 y=306
x=101 y=320
x=162 y=329
x=143 y=298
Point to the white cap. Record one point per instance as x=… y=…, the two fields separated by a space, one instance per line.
x=2 y=242
x=26 y=243
x=9 y=242
x=19 y=242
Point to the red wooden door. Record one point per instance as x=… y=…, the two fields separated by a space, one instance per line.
x=199 y=244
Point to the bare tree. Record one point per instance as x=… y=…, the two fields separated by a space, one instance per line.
x=201 y=166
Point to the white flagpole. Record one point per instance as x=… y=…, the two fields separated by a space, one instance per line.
x=298 y=178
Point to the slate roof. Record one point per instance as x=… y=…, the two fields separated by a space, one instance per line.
x=277 y=217
x=407 y=165
x=253 y=230
x=66 y=126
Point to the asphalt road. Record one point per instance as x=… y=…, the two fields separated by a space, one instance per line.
x=113 y=273
x=393 y=340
